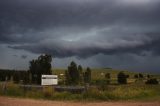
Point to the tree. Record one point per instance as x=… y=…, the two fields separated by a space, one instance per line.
x=108 y=77
x=73 y=74
x=87 y=75
x=122 y=78
x=16 y=77
x=148 y=76
x=136 y=76
x=40 y=66
x=67 y=77
x=141 y=75
x=80 y=69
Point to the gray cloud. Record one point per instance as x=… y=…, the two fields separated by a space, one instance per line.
x=80 y=24
x=24 y=56
x=140 y=46
x=15 y=55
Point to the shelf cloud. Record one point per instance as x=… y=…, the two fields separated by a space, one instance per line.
x=81 y=28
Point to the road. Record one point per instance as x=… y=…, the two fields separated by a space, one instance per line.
x=8 y=101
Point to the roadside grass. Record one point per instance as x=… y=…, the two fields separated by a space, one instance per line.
x=11 y=90
x=110 y=93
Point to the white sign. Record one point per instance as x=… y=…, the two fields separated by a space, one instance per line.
x=49 y=80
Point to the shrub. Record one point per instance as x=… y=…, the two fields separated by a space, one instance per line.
x=152 y=81
x=108 y=78
x=122 y=78
x=141 y=75
x=136 y=76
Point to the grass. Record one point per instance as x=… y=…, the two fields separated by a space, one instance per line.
x=110 y=93
x=98 y=74
x=133 y=91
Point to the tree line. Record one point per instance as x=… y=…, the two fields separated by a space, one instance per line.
x=74 y=75
x=14 y=75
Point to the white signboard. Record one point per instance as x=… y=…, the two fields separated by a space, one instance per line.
x=49 y=80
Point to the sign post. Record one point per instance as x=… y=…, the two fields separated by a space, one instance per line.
x=49 y=80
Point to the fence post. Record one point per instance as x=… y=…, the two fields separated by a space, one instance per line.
x=5 y=86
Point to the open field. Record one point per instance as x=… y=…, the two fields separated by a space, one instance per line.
x=5 y=101
x=99 y=74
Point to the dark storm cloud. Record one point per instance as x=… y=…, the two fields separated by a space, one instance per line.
x=22 y=56
x=81 y=28
x=82 y=49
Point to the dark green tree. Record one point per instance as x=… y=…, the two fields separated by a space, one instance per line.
x=141 y=75
x=152 y=81
x=87 y=75
x=108 y=77
x=16 y=77
x=148 y=76
x=67 y=78
x=40 y=66
x=122 y=78
x=136 y=76
x=73 y=73
x=80 y=69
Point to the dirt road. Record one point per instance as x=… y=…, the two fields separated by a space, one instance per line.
x=6 y=101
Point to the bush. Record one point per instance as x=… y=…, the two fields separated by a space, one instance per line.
x=122 y=78
x=152 y=81
x=141 y=75
x=108 y=78
x=136 y=76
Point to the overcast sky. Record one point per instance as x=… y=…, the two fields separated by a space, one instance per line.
x=122 y=34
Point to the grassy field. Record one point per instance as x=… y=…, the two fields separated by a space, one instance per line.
x=99 y=74
x=114 y=92
x=96 y=72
